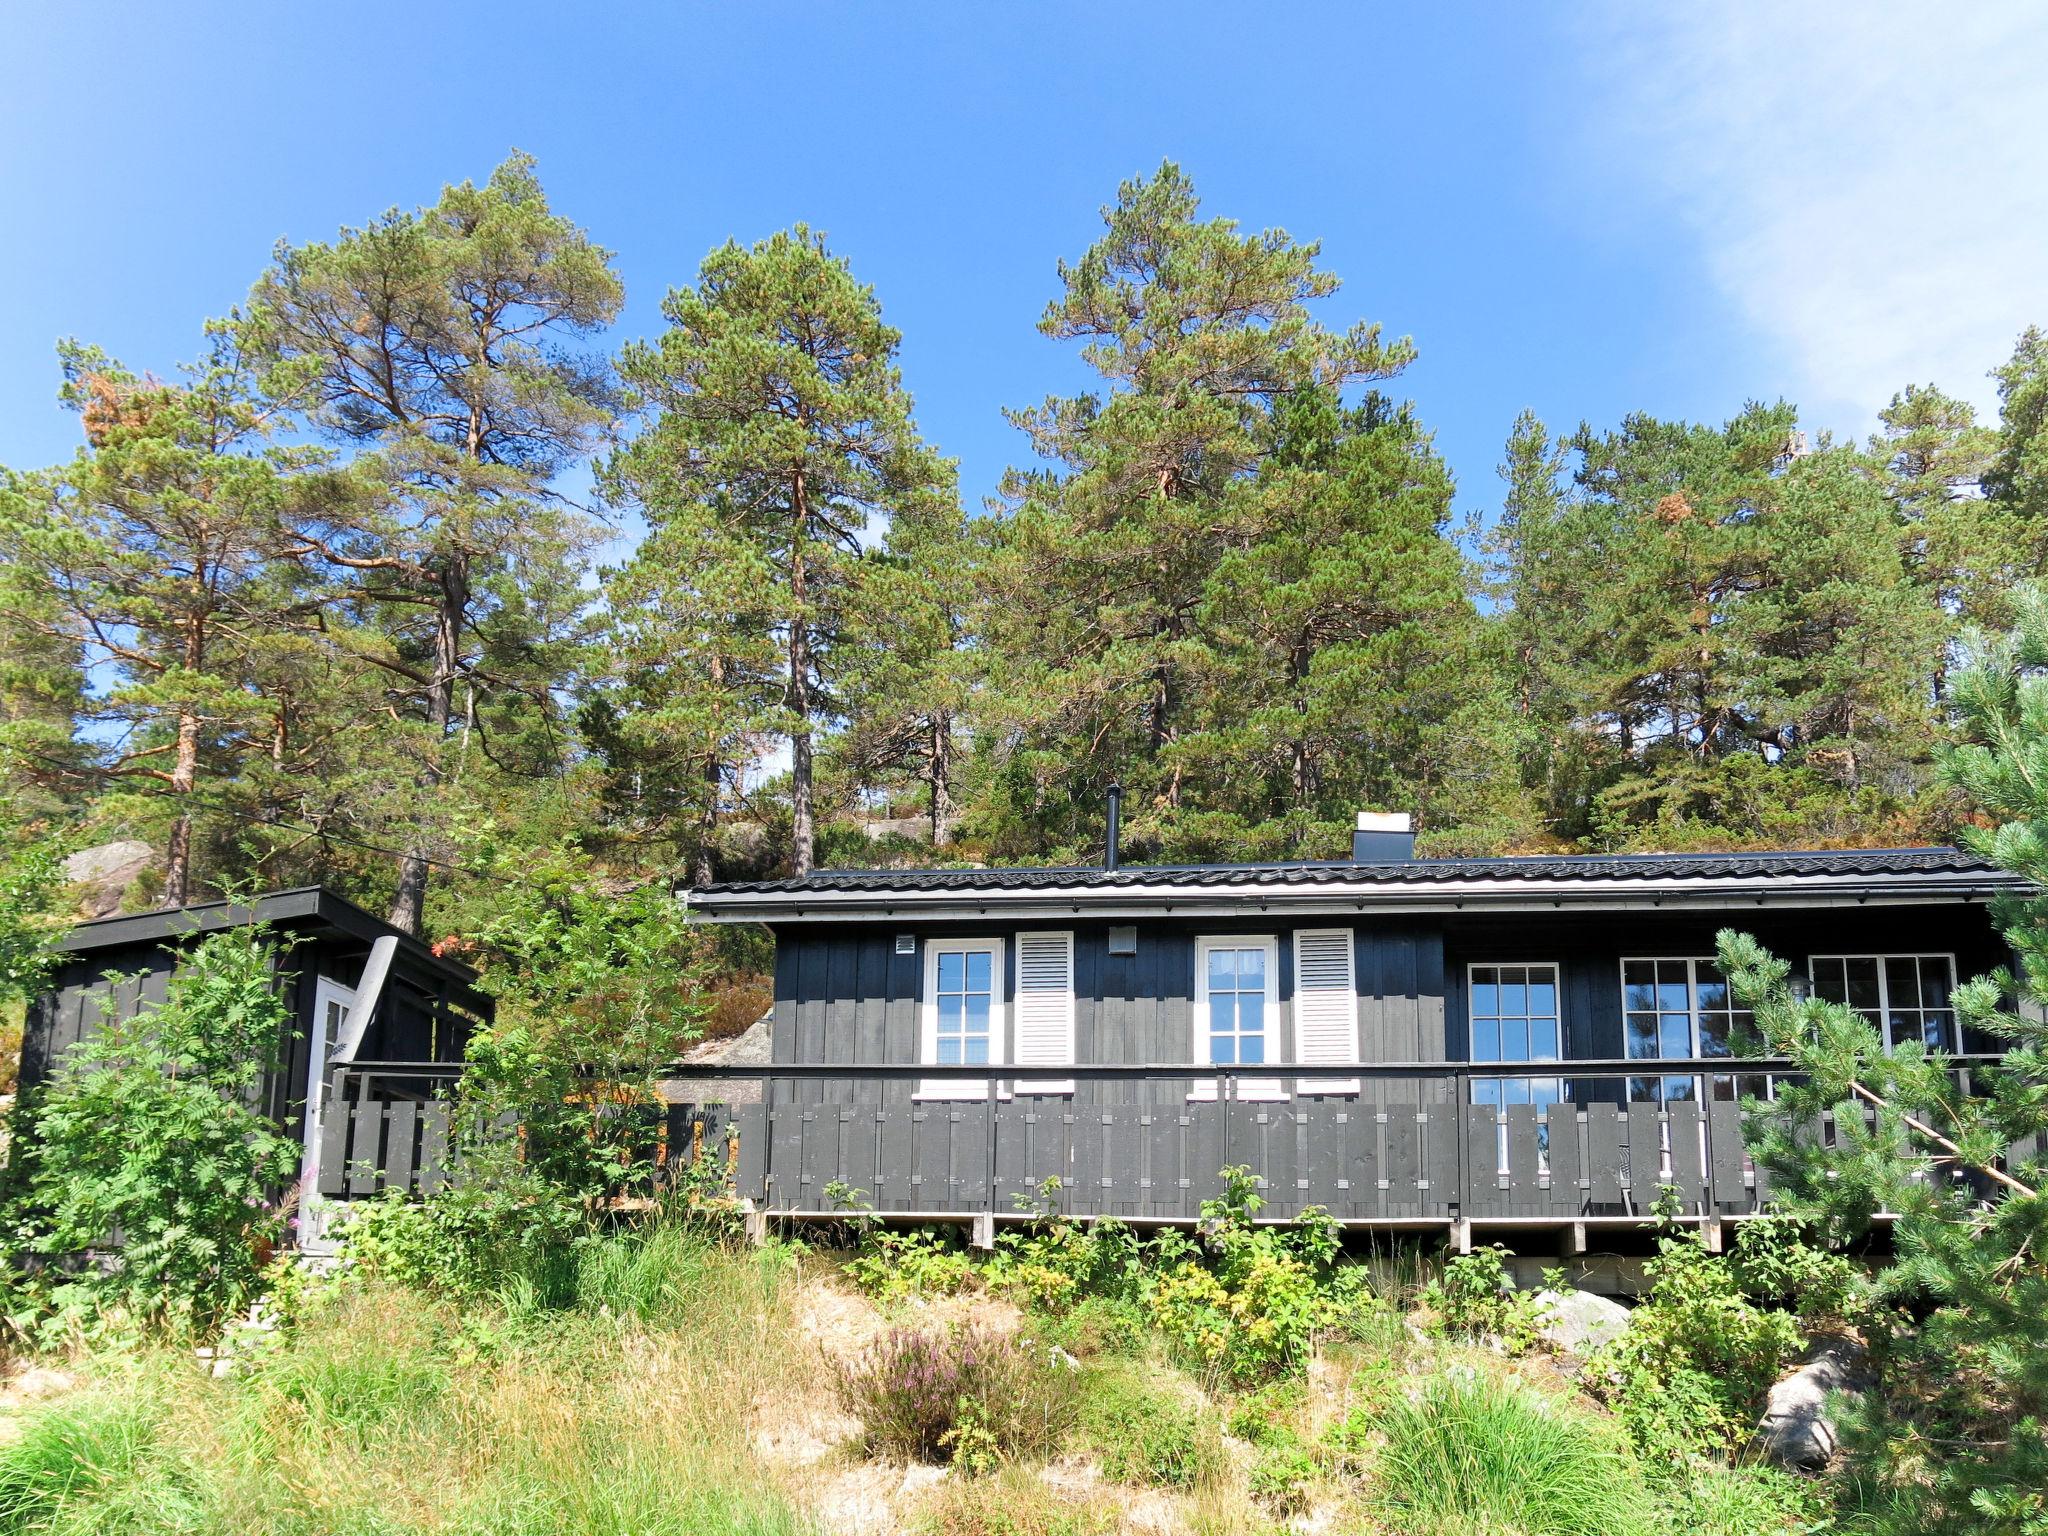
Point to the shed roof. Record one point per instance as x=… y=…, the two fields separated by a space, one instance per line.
x=309 y=906
x=1705 y=879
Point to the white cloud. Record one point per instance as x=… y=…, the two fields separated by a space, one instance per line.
x=1868 y=183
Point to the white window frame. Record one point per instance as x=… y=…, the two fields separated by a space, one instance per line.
x=1884 y=989
x=1246 y=1089
x=928 y=1017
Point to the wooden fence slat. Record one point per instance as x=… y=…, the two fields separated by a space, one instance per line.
x=433 y=1164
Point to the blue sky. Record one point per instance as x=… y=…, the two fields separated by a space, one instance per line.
x=1582 y=212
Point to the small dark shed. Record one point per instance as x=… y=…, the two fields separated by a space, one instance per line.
x=336 y=963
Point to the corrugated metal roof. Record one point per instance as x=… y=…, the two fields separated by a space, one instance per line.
x=1660 y=868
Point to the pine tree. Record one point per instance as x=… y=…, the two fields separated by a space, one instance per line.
x=159 y=554
x=1956 y=1429
x=443 y=344
x=779 y=437
x=1102 y=572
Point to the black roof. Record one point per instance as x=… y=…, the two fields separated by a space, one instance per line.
x=305 y=907
x=1606 y=867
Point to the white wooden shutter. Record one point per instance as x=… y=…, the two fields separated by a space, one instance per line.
x=1325 y=1005
x=1045 y=1007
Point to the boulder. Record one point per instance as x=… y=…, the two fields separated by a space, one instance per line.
x=103 y=873
x=1578 y=1322
x=1797 y=1430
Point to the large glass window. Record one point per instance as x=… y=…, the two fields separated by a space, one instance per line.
x=1906 y=996
x=1513 y=1014
x=1237 y=980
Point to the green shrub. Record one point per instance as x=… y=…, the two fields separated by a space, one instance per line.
x=1057 y=1264
x=924 y=1261
x=1251 y=1301
x=1690 y=1373
x=1474 y=1453
x=1773 y=1263
x=959 y=1396
x=1282 y=1477
x=1474 y=1298
x=145 y=1135
x=472 y=1241
x=1145 y=1432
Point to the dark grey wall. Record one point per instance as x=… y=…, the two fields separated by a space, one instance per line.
x=843 y=995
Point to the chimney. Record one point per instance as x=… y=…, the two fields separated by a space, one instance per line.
x=1116 y=812
x=1383 y=837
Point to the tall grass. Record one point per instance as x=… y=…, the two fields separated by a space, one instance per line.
x=385 y=1412
x=1471 y=1453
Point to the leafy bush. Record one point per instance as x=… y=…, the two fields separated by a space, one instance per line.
x=1057 y=1263
x=1474 y=1298
x=1473 y=1452
x=472 y=1239
x=1097 y=1326
x=923 y=1261
x=1143 y=1431
x=1282 y=1477
x=145 y=1140
x=1252 y=1300
x=959 y=1396
x=1690 y=1372
x=1774 y=1263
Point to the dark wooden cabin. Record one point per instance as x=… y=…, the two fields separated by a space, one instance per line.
x=357 y=988
x=1511 y=1045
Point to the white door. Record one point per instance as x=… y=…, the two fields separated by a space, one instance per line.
x=331 y=1004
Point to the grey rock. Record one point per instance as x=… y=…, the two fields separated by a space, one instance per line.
x=103 y=873
x=1578 y=1322
x=1797 y=1428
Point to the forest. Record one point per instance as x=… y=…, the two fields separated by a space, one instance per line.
x=416 y=571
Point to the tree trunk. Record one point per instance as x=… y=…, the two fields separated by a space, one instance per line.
x=714 y=781
x=941 y=776
x=409 y=907
x=803 y=822
x=184 y=776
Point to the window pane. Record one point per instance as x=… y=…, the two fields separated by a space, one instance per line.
x=1940 y=1032
x=977 y=969
x=977 y=1050
x=1485 y=1090
x=950 y=1009
x=1828 y=984
x=1515 y=1090
x=1251 y=1049
x=949 y=1051
x=1222 y=969
x=1934 y=982
x=1485 y=997
x=1222 y=1050
x=1514 y=1039
x=952 y=968
x=1543 y=996
x=1543 y=1040
x=1673 y=996
x=1713 y=991
x=1251 y=966
x=977 y=1012
x=1862 y=984
x=1676 y=1038
x=1902 y=982
x=1714 y=1035
x=1485 y=1039
x=1222 y=1012
x=1641 y=1034
x=1514 y=997
x=1639 y=978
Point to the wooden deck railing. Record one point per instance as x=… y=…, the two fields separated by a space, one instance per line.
x=1145 y=1143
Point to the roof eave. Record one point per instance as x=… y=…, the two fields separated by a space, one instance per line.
x=1361 y=897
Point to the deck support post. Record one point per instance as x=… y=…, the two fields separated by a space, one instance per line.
x=984 y=1234
x=757 y=1227
x=1461 y=1235
x=1713 y=1234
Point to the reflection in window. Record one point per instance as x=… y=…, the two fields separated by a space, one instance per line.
x=965 y=989
x=1906 y=996
x=1236 y=993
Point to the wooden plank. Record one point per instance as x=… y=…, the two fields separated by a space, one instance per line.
x=1688 y=1168
x=1526 y=1195
x=1606 y=1153
x=334 y=1129
x=1645 y=1155
x=1482 y=1194
x=403 y=1126
x=1404 y=1160
x=1567 y=1161
x=1727 y=1156
x=1439 y=1140
x=433 y=1164
x=365 y=1160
